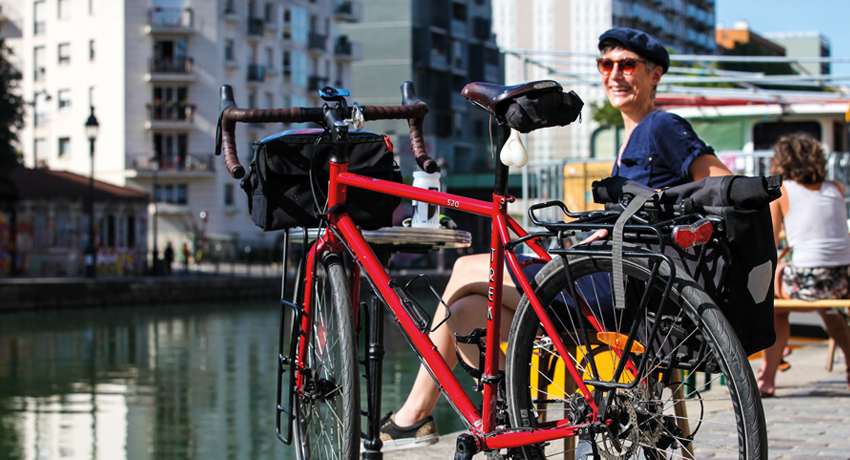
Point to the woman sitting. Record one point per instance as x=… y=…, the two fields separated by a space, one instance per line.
x=814 y=215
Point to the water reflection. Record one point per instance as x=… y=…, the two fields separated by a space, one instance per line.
x=154 y=383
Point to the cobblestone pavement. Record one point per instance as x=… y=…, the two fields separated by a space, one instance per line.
x=809 y=418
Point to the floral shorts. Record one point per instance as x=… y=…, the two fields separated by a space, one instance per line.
x=806 y=283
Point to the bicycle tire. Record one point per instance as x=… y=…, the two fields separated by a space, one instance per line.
x=650 y=406
x=327 y=410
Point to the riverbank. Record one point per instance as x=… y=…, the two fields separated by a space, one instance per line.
x=60 y=293
x=18 y=294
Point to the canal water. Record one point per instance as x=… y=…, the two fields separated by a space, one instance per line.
x=156 y=382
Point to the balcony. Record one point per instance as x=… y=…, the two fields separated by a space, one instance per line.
x=39 y=28
x=315 y=83
x=170 y=21
x=256 y=27
x=39 y=74
x=175 y=116
x=183 y=165
x=348 y=11
x=316 y=42
x=458 y=28
x=256 y=72
x=176 y=70
x=40 y=120
x=344 y=49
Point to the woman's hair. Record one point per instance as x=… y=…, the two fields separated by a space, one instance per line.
x=799 y=157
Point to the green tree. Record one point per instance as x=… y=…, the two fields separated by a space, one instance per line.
x=11 y=113
x=606 y=115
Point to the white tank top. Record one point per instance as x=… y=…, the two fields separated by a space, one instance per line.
x=816 y=226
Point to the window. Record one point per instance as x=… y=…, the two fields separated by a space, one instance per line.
x=131 y=232
x=228 y=6
x=228 y=195
x=40 y=111
x=39 y=17
x=269 y=57
x=91 y=50
x=39 y=61
x=171 y=193
x=64 y=99
x=295 y=24
x=287 y=66
x=91 y=7
x=170 y=151
x=269 y=100
x=228 y=50
x=64 y=146
x=299 y=68
x=182 y=194
x=64 y=9
x=268 y=10
x=252 y=100
x=64 y=53
x=39 y=151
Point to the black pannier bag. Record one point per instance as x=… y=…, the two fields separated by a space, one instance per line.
x=278 y=179
x=737 y=274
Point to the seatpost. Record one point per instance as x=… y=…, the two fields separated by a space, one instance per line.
x=503 y=132
x=339 y=135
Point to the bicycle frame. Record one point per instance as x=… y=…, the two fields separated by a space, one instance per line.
x=482 y=423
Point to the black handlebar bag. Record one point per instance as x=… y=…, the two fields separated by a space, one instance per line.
x=737 y=269
x=278 y=183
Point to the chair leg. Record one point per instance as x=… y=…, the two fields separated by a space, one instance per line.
x=681 y=413
x=830 y=354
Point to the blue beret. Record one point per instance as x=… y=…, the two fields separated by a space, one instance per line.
x=641 y=43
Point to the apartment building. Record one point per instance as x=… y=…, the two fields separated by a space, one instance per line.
x=810 y=44
x=570 y=30
x=151 y=69
x=439 y=45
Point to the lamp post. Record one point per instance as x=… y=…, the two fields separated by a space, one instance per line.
x=91 y=251
x=157 y=267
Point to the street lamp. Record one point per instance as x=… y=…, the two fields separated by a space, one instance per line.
x=91 y=252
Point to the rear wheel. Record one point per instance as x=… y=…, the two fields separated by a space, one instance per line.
x=327 y=405
x=695 y=396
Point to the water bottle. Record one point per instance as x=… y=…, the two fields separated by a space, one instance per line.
x=426 y=215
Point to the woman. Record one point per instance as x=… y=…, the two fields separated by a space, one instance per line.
x=659 y=150
x=813 y=213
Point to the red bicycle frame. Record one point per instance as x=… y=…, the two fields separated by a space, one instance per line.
x=482 y=423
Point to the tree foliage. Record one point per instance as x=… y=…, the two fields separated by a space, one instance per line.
x=606 y=115
x=11 y=112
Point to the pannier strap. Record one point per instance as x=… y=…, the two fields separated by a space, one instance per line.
x=640 y=198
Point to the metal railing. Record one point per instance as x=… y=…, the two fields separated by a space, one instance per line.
x=317 y=42
x=190 y=162
x=170 y=17
x=256 y=26
x=172 y=112
x=165 y=65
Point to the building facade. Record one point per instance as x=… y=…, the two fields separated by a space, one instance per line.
x=804 y=44
x=565 y=35
x=439 y=45
x=151 y=69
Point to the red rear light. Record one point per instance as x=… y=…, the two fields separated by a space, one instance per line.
x=693 y=235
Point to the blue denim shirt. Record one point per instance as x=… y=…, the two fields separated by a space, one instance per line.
x=660 y=151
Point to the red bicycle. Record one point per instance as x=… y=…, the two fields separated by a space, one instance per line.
x=577 y=366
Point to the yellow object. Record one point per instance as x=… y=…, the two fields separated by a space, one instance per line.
x=550 y=376
x=618 y=341
x=578 y=178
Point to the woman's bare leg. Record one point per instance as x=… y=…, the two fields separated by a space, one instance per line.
x=771 y=357
x=466 y=296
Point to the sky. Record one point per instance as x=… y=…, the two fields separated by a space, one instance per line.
x=829 y=17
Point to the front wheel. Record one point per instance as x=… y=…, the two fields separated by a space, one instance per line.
x=327 y=403
x=694 y=397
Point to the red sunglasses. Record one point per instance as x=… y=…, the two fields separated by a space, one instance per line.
x=627 y=65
